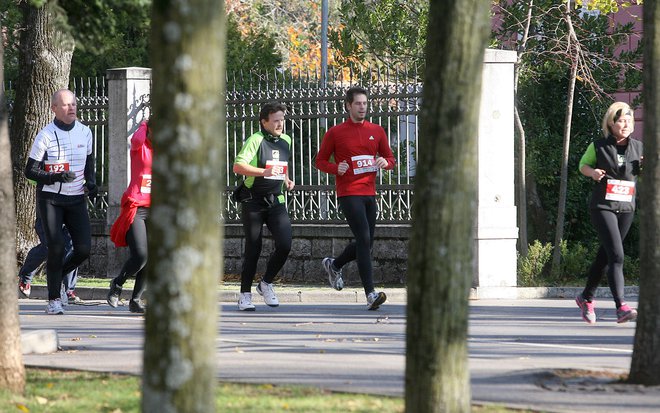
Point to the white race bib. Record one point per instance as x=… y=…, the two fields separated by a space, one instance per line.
x=279 y=169
x=363 y=164
x=145 y=185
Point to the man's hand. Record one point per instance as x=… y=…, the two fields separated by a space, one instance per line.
x=66 y=176
x=381 y=163
x=289 y=184
x=342 y=168
x=92 y=191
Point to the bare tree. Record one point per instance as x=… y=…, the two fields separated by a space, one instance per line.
x=441 y=251
x=44 y=64
x=12 y=372
x=645 y=366
x=575 y=53
x=185 y=235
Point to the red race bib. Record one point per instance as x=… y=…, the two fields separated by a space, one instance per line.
x=56 y=166
x=620 y=190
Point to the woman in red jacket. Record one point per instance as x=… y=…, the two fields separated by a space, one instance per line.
x=130 y=227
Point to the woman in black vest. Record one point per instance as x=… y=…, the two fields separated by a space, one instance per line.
x=614 y=163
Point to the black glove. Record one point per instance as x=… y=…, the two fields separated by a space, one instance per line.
x=92 y=191
x=66 y=176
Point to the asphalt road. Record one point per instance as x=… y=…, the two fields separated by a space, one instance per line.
x=523 y=353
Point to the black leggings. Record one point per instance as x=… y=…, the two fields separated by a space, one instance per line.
x=254 y=214
x=360 y=213
x=76 y=219
x=136 y=238
x=612 y=229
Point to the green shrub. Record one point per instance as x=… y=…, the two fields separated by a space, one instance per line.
x=533 y=270
x=530 y=267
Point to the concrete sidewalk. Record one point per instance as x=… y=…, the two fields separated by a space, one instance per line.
x=523 y=353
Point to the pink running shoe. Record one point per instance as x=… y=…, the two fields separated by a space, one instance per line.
x=587 y=307
x=625 y=314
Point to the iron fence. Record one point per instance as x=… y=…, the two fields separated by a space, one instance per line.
x=314 y=105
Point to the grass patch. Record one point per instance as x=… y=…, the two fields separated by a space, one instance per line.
x=83 y=392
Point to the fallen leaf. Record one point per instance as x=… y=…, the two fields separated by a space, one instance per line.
x=22 y=407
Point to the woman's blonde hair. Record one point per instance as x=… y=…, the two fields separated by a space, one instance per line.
x=614 y=112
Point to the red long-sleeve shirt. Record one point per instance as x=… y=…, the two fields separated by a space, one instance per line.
x=358 y=144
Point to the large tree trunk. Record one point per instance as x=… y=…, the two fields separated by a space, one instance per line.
x=12 y=372
x=441 y=252
x=185 y=235
x=645 y=366
x=44 y=64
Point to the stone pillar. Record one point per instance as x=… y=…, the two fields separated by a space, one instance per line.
x=128 y=105
x=497 y=230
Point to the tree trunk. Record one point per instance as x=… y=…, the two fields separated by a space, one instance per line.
x=185 y=235
x=521 y=154
x=645 y=365
x=44 y=63
x=563 y=183
x=12 y=372
x=441 y=252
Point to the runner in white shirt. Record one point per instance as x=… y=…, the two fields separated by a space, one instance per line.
x=62 y=164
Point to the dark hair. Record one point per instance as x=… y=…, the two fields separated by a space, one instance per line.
x=355 y=90
x=271 y=107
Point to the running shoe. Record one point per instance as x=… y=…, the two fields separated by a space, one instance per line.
x=334 y=276
x=73 y=298
x=25 y=289
x=625 y=313
x=375 y=299
x=587 y=307
x=113 y=294
x=63 y=297
x=266 y=290
x=245 y=302
x=54 y=307
x=136 y=306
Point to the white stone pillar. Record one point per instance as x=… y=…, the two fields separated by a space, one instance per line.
x=128 y=104
x=497 y=230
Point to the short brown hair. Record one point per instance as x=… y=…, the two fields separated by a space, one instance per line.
x=271 y=107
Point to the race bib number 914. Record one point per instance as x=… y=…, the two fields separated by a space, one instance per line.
x=363 y=164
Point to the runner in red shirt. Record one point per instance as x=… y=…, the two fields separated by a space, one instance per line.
x=130 y=228
x=360 y=149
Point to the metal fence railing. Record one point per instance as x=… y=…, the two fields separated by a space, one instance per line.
x=314 y=106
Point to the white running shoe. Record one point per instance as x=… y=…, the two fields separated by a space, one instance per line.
x=54 y=307
x=375 y=299
x=245 y=302
x=266 y=290
x=334 y=276
x=63 y=297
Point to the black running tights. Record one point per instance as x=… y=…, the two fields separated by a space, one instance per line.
x=76 y=219
x=135 y=266
x=612 y=228
x=255 y=214
x=360 y=213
